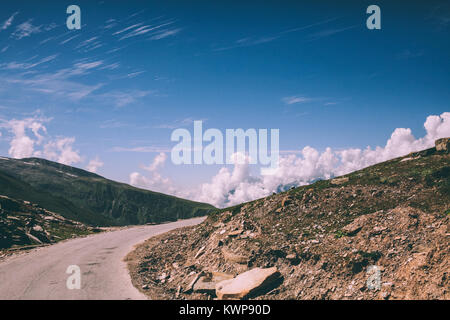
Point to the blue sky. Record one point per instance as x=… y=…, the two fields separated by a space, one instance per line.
x=136 y=70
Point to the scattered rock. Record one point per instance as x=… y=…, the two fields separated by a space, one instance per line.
x=338 y=181
x=286 y=200
x=235 y=233
x=354 y=227
x=207 y=283
x=293 y=259
x=199 y=252
x=38 y=228
x=250 y=283
x=190 y=286
x=442 y=144
x=232 y=257
x=204 y=285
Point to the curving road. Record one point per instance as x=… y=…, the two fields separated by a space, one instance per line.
x=41 y=274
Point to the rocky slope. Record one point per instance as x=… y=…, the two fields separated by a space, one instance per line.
x=23 y=224
x=89 y=198
x=378 y=233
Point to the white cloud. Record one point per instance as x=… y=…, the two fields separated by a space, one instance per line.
x=25 y=66
x=142 y=149
x=60 y=150
x=228 y=188
x=122 y=98
x=165 y=33
x=140 y=29
x=21 y=144
x=295 y=99
x=157 y=163
x=26 y=29
x=29 y=139
x=8 y=22
x=155 y=181
x=94 y=165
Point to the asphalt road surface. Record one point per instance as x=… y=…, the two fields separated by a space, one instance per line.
x=41 y=273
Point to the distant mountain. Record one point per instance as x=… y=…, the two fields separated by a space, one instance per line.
x=89 y=198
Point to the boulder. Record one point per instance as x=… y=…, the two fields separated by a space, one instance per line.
x=356 y=226
x=199 y=252
x=286 y=200
x=338 y=181
x=442 y=144
x=38 y=228
x=250 y=283
x=207 y=283
x=235 y=233
x=293 y=259
x=234 y=258
x=204 y=285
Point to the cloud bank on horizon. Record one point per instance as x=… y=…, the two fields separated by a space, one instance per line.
x=228 y=188
x=29 y=138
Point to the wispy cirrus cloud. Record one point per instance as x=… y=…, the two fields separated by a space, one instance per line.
x=89 y=44
x=296 y=99
x=69 y=39
x=5 y=25
x=329 y=32
x=122 y=98
x=112 y=124
x=26 y=29
x=26 y=66
x=162 y=34
x=253 y=41
x=144 y=149
x=178 y=123
x=154 y=31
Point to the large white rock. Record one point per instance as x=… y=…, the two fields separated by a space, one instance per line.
x=247 y=283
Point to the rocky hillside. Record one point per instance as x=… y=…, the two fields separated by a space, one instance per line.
x=89 y=198
x=378 y=233
x=23 y=224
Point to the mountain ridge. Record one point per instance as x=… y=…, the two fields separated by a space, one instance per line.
x=88 y=197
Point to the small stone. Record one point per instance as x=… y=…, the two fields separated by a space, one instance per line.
x=232 y=257
x=337 y=181
x=199 y=252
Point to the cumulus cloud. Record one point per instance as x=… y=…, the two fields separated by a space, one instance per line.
x=61 y=150
x=29 y=138
x=157 y=163
x=94 y=165
x=230 y=187
x=155 y=181
x=21 y=144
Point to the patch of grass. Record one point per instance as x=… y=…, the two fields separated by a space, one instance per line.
x=340 y=234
